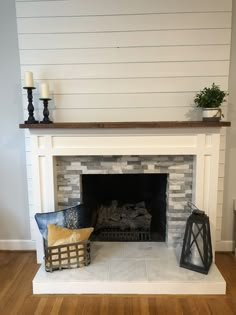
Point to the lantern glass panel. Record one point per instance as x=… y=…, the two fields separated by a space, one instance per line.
x=196 y=245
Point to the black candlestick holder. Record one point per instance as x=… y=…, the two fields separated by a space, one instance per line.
x=46 y=119
x=31 y=119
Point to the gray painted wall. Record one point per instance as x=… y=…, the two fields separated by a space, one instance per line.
x=230 y=166
x=14 y=217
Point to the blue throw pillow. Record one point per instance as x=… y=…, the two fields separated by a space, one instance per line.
x=72 y=218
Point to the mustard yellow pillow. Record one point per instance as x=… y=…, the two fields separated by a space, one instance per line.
x=58 y=235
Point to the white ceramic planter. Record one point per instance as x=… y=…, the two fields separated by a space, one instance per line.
x=211 y=114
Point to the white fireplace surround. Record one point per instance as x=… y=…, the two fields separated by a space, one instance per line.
x=203 y=143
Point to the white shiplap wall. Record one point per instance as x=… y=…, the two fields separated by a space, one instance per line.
x=125 y=60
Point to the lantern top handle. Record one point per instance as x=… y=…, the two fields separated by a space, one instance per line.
x=195 y=209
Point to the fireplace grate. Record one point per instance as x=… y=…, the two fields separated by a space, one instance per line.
x=114 y=235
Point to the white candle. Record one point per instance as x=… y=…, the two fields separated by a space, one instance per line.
x=44 y=90
x=29 y=82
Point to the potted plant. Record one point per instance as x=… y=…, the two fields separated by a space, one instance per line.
x=210 y=99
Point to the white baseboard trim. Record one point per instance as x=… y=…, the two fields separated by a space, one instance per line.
x=17 y=245
x=224 y=246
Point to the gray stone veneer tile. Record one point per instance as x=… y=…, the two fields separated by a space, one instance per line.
x=179 y=187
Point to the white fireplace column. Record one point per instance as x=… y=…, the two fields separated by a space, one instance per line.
x=203 y=143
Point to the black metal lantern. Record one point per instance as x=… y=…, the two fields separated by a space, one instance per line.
x=197 y=250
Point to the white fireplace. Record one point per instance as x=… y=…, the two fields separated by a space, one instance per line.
x=202 y=143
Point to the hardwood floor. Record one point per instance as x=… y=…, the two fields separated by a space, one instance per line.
x=18 y=269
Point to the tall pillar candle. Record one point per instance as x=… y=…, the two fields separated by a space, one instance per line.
x=44 y=90
x=29 y=82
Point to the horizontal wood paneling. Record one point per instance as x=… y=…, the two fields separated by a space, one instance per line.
x=64 y=114
x=124 y=55
x=134 y=114
x=222 y=156
x=125 y=39
x=139 y=85
x=220 y=197
x=219 y=210
x=222 y=170
x=124 y=23
x=218 y=222
x=29 y=172
x=221 y=184
x=130 y=70
x=222 y=141
x=107 y=7
x=127 y=60
x=117 y=114
x=150 y=100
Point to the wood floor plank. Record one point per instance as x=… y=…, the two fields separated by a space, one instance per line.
x=201 y=306
x=29 y=306
x=167 y=305
x=68 y=305
x=55 y=304
x=152 y=306
x=104 y=306
x=18 y=270
x=143 y=305
x=116 y=305
x=41 y=306
x=190 y=305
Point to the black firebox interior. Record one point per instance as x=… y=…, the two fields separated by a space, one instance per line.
x=119 y=203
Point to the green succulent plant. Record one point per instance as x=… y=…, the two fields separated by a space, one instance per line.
x=210 y=97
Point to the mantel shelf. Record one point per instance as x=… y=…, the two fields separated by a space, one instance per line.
x=128 y=125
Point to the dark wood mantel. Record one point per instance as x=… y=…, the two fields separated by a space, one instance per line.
x=128 y=125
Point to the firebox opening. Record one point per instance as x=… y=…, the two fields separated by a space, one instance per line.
x=126 y=207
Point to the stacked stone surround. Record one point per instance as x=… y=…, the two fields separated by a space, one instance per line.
x=179 y=182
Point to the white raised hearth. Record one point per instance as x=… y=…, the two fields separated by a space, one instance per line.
x=130 y=268
x=200 y=140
